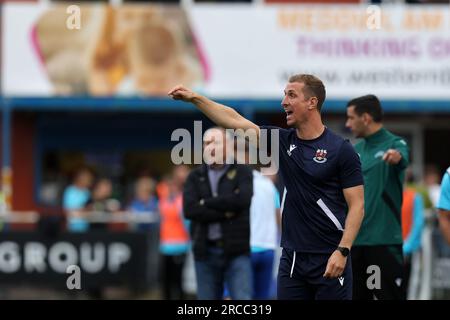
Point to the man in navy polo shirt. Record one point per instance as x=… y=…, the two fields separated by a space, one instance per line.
x=323 y=202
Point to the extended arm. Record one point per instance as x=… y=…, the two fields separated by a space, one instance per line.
x=398 y=155
x=220 y=114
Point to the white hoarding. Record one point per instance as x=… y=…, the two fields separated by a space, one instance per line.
x=399 y=52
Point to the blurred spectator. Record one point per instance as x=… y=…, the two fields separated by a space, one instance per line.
x=75 y=198
x=217 y=200
x=413 y=222
x=264 y=234
x=162 y=188
x=444 y=206
x=174 y=235
x=264 y=223
x=411 y=182
x=145 y=202
x=432 y=178
x=179 y=176
x=101 y=202
x=276 y=180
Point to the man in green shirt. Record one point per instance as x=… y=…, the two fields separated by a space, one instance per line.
x=377 y=250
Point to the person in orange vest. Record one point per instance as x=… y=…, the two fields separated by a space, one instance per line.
x=413 y=222
x=174 y=234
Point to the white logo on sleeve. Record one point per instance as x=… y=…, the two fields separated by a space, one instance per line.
x=379 y=154
x=398 y=282
x=341 y=280
x=291 y=148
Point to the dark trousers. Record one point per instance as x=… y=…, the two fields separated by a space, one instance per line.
x=172 y=276
x=378 y=271
x=262 y=267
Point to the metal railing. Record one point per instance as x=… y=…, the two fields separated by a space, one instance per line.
x=18 y=217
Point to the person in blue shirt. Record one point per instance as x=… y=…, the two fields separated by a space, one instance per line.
x=264 y=217
x=413 y=223
x=323 y=202
x=75 y=198
x=145 y=203
x=444 y=206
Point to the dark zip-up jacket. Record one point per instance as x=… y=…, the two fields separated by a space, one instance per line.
x=230 y=208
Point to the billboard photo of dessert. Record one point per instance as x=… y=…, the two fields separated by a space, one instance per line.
x=129 y=50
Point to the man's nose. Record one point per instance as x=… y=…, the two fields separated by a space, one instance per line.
x=284 y=102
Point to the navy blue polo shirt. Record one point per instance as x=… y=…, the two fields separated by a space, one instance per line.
x=314 y=173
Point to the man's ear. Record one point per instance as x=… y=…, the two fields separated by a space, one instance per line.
x=313 y=101
x=367 y=118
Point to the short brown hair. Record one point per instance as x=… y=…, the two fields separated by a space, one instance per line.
x=314 y=87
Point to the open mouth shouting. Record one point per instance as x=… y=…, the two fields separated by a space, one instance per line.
x=289 y=114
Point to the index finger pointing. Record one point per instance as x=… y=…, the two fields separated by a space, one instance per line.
x=175 y=89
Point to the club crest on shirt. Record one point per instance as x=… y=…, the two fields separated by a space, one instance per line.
x=321 y=156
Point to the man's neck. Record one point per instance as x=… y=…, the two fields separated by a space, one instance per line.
x=311 y=129
x=375 y=127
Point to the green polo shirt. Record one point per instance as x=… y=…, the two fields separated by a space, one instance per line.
x=383 y=189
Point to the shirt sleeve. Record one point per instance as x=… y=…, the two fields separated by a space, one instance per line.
x=271 y=132
x=350 y=173
x=401 y=146
x=444 y=198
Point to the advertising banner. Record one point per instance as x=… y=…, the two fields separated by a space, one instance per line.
x=33 y=258
x=394 y=51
